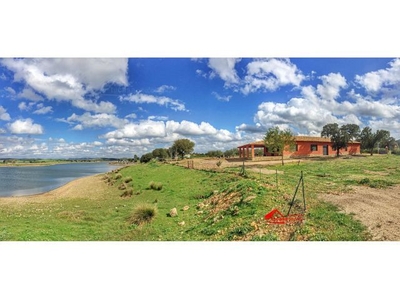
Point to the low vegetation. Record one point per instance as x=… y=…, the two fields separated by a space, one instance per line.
x=219 y=206
x=143 y=214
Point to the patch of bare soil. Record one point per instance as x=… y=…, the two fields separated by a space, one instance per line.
x=378 y=209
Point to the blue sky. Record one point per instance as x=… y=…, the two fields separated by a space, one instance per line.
x=118 y=107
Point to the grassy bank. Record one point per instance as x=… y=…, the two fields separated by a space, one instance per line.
x=211 y=205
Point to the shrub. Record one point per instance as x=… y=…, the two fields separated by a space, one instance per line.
x=127 y=193
x=128 y=179
x=155 y=185
x=142 y=214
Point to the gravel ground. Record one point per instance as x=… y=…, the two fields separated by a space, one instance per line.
x=378 y=209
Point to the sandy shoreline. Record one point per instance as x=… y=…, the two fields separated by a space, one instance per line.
x=90 y=186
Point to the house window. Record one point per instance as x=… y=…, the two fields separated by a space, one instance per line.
x=314 y=147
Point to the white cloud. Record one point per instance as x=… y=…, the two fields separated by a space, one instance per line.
x=144 y=129
x=188 y=128
x=4 y=116
x=225 y=69
x=10 y=90
x=150 y=132
x=331 y=86
x=2 y=131
x=145 y=98
x=25 y=126
x=165 y=88
x=78 y=127
x=270 y=74
x=42 y=110
x=29 y=94
x=158 y=118
x=65 y=79
x=87 y=120
x=23 y=106
x=374 y=81
x=221 y=98
x=131 y=116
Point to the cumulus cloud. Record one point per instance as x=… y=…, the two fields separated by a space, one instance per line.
x=29 y=94
x=374 y=81
x=25 y=126
x=42 y=110
x=88 y=120
x=151 y=132
x=270 y=74
x=188 y=128
x=10 y=90
x=331 y=86
x=4 y=116
x=145 y=98
x=251 y=128
x=70 y=80
x=225 y=69
x=146 y=128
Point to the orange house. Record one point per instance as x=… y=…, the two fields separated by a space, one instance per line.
x=305 y=146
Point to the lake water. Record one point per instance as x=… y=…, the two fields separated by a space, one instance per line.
x=19 y=181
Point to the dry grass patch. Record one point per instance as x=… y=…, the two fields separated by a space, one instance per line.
x=142 y=214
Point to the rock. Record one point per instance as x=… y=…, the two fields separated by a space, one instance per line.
x=250 y=198
x=173 y=212
x=181 y=223
x=200 y=212
x=186 y=207
x=200 y=205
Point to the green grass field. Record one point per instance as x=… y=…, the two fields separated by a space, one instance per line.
x=211 y=205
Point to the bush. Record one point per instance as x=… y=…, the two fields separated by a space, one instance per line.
x=155 y=186
x=127 y=193
x=142 y=214
x=128 y=179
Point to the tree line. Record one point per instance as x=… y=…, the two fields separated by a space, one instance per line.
x=278 y=140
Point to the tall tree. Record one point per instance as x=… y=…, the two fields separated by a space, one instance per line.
x=369 y=139
x=182 y=147
x=277 y=140
x=160 y=153
x=340 y=136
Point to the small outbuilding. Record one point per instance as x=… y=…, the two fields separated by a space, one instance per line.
x=305 y=146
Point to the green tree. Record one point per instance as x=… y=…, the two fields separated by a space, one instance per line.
x=231 y=152
x=369 y=139
x=182 y=147
x=340 y=136
x=160 y=153
x=277 y=140
x=215 y=153
x=145 y=158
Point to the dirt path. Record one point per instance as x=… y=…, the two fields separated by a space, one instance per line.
x=378 y=209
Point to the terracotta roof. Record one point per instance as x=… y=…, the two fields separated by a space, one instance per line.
x=298 y=138
x=304 y=138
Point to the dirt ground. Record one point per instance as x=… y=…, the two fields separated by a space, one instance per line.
x=378 y=209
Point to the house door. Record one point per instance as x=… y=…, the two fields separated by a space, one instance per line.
x=325 y=150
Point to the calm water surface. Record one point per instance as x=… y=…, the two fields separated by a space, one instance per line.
x=19 y=181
